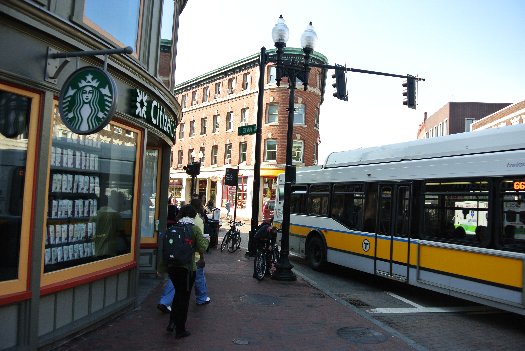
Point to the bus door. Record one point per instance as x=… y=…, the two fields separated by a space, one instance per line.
x=392 y=245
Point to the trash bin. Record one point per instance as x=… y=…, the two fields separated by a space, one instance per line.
x=212 y=227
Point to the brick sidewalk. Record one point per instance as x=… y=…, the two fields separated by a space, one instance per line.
x=244 y=314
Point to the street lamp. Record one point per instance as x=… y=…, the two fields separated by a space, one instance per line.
x=293 y=69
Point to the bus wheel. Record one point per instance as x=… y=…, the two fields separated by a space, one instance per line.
x=316 y=253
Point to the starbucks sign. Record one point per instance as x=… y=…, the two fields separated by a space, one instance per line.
x=88 y=100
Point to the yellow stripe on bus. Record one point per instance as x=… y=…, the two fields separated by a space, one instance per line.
x=496 y=269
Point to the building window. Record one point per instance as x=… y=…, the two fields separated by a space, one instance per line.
x=204 y=121
x=181 y=131
x=202 y=154
x=316 y=154
x=246 y=81
x=229 y=121
x=214 y=154
x=205 y=94
x=316 y=119
x=215 y=128
x=217 y=90
x=183 y=101
x=297 y=151
x=227 y=154
x=231 y=85
x=190 y=156
x=244 y=116
x=180 y=157
x=192 y=128
x=119 y=18
x=194 y=98
x=298 y=114
x=272 y=113
x=243 y=147
x=272 y=75
x=270 y=150
x=468 y=122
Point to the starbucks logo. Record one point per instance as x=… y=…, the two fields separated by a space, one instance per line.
x=87 y=100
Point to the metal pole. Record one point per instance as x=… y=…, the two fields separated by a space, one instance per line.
x=257 y=165
x=284 y=267
x=126 y=50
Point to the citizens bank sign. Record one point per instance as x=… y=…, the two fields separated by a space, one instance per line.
x=87 y=100
x=152 y=112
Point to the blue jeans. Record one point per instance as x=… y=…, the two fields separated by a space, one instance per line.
x=201 y=289
x=168 y=294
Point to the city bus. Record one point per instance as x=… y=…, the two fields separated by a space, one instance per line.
x=445 y=214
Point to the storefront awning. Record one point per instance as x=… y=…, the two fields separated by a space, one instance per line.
x=271 y=172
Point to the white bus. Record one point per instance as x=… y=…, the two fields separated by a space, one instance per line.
x=445 y=214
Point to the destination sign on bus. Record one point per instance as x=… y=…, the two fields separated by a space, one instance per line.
x=519 y=185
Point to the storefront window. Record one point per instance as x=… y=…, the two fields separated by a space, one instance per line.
x=149 y=193
x=14 y=127
x=90 y=199
x=228 y=193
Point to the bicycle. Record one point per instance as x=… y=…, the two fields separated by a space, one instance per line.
x=266 y=258
x=232 y=238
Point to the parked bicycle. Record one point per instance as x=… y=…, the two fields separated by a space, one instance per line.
x=232 y=238
x=266 y=257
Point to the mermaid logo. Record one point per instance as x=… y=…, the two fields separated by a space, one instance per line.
x=87 y=100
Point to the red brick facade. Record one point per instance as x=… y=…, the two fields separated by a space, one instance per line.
x=235 y=96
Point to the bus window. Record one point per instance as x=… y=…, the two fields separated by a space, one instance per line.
x=347 y=205
x=453 y=210
x=385 y=210
x=318 y=200
x=403 y=212
x=511 y=234
x=298 y=199
x=370 y=215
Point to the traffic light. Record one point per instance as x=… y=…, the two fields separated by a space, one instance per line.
x=340 y=83
x=193 y=169
x=410 y=92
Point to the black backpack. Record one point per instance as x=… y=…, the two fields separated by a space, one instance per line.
x=178 y=245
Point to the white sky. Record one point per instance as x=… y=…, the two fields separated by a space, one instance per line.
x=467 y=50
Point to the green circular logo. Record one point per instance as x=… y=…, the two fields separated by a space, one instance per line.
x=88 y=100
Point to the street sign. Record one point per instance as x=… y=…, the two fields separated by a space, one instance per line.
x=249 y=129
x=231 y=177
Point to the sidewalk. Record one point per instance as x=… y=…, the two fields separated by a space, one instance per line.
x=244 y=314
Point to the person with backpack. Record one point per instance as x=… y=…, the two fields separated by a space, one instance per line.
x=201 y=288
x=180 y=243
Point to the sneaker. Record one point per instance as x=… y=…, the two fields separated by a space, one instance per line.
x=182 y=334
x=208 y=300
x=163 y=308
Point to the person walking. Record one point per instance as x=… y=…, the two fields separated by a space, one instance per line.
x=201 y=288
x=183 y=276
x=227 y=205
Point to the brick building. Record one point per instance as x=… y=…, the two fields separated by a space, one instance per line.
x=216 y=103
x=456 y=117
x=508 y=116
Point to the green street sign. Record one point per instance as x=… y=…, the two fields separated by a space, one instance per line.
x=249 y=129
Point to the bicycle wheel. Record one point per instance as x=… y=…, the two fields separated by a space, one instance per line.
x=239 y=240
x=260 y=264
x=275 y=254
x=226 y=240
x=232 y=244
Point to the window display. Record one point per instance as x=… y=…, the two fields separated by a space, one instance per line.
x=90 y=195
x=14 y=128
